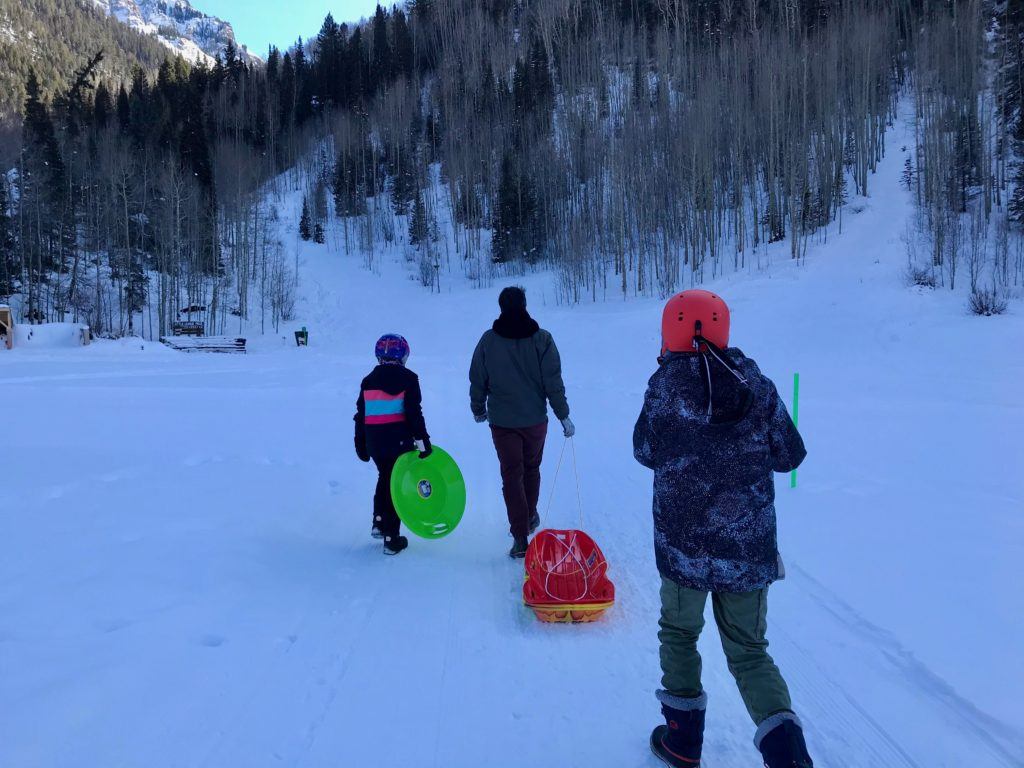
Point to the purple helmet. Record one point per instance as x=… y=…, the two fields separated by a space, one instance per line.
x=392 y=348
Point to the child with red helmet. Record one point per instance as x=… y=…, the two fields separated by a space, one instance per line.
x=714 y=429
x=389 y=422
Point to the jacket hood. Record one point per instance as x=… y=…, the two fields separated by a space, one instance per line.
x=515 y=325
x=712 y=389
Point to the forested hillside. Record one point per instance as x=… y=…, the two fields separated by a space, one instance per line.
x=632 y=145
x=56 y=37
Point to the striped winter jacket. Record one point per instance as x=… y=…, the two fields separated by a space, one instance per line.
x=713 y=444
x=389 y=412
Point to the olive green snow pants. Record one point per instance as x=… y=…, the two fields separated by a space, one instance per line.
x=742 y=623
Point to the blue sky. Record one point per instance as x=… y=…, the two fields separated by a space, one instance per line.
x=258 y=23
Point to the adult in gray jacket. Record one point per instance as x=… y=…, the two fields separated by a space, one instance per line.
x=516 y=372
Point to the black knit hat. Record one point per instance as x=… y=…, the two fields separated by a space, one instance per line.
x=512 y=299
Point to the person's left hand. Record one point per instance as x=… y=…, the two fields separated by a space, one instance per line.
x=424 y=447
x=568 y=428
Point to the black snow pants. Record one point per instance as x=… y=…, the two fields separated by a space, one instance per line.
x=384 y=515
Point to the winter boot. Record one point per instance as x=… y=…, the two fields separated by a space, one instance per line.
x=679 y=742
x=519 y=547
x=781 y=741
x=394 y=544
x=376 y=532
x=534 y=523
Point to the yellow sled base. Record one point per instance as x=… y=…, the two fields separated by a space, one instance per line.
x=565 y=613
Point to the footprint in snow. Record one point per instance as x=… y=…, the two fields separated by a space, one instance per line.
x=195 y=461
x=106 y=626
x=212 y=641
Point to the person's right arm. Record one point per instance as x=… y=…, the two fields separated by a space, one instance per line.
x=360 y=420
x=551 y=373
x=478 y=383
x=645 y=438
x=787 y=447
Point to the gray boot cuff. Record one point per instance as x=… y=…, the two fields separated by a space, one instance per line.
x=682 y=703
x=772 y=722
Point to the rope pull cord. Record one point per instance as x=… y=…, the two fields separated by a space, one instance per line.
x=554 y=481
x=707 y=372
x=571 y=552
x=719 y=355
x=571 y=548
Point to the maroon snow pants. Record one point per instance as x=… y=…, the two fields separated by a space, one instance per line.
x=520 y=452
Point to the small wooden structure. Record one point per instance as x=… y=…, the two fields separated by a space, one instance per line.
x=6 y=327
x=188 y=328
x=223 y=344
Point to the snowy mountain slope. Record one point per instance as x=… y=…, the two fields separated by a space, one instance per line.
x=189 y=579
x=175 y=23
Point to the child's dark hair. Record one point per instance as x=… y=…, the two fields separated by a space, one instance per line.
x=512 y=299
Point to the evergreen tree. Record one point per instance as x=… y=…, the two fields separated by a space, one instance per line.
x=380 y=67
x=124 y=109
x=357 y=67
x=488 y=94
x=402 y=170
x=329 y=62
x=318 y=233
x=907 y=177
x=515 y=229
x=273 y=65
x=542 y=89
x=42 y=191
x=419 y=228
x=404 y=50
x=141 y=115
x=40 y=139
x=641 y=92
x=304 y=86
x=305 y=225
x=349 y=182
x=286 y=93
x=233 y=65
x=1015 y=208
x=103 y=106
x=320 y=201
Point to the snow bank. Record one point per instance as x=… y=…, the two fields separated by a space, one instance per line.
x=50 y=335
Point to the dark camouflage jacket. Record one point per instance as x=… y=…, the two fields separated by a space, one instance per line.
x=713 y=444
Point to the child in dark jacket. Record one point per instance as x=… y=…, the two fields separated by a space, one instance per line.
x=389 y=422
x=714 y=429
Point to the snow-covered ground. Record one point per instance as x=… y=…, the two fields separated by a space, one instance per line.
x=188 y=577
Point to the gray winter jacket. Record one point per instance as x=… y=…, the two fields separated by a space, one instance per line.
x=713 y=443
x=516 y=371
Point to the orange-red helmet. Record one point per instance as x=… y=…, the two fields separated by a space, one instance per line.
x=683 y=312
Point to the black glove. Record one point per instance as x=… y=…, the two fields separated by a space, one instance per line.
x=362 y=453
x=424 y=447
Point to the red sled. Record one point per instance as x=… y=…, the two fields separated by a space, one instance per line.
x=567 y=578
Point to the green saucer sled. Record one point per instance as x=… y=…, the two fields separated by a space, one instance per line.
x=429 y=494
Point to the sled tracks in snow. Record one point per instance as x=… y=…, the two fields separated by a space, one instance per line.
x=866 y=699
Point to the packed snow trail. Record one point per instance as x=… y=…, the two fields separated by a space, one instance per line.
x=189 y=579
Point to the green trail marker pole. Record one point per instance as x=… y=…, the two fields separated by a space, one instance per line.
x=796 y=418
